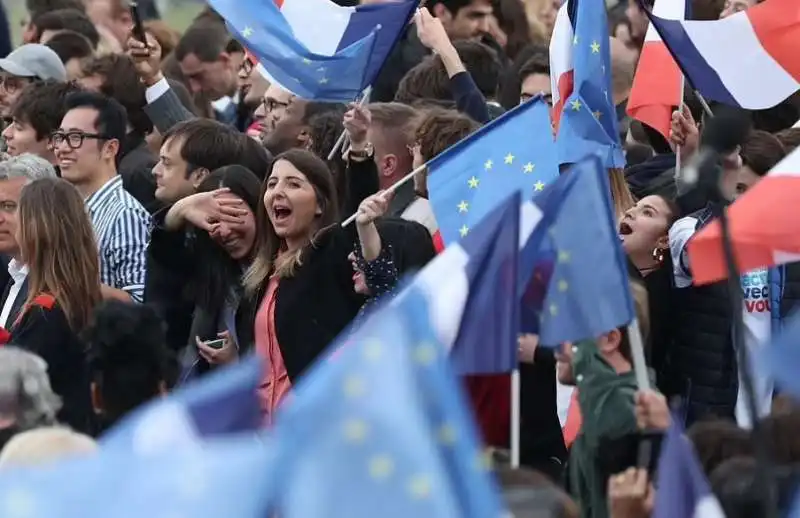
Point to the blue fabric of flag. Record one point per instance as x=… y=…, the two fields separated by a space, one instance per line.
x=260 y=26
x=683 y=489
x=231 y=477
x=223 y=402
x=392 y=17
x=380 y=429
x=591 y=97
x=514 y=152
x=581 y=267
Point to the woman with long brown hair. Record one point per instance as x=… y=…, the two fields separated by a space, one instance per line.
x=301 y=277
x=57 y=244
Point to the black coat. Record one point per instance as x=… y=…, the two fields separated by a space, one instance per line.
x=136 y=169
x=42 y=328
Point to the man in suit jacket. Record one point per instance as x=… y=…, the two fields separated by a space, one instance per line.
x=15 y=173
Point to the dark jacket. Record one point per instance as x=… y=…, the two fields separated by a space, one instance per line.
x=136 y=170
x=407 y=53
x=42 y=328
x=318 y=302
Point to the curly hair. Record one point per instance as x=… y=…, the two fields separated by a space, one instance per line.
x=129 y=360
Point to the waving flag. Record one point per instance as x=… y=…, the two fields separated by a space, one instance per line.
x=472 y=290
x=765 y=228
x=317 y=49
x=658 y=84
x=382 y=430
x=224 y=402
x=682 y=487
x=468 y=180
x=231 y=477
x=588 y=53
x=748 y=59
x=579 y=286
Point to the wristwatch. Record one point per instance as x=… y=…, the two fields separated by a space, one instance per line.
x=362 y=154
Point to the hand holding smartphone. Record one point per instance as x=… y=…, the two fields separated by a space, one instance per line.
x=138 y=26
x=215 y=344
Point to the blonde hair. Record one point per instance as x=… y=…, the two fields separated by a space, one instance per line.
x=59 y=248
x=620 y=192
x=45 y=445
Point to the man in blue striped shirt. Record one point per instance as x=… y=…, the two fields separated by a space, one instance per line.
x=86 y=148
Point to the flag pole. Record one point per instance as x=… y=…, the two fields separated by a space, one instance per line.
x=394 y=187
x=678 y=147
x=340 y=141
x=516 y=384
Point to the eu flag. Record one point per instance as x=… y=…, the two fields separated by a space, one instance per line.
x=224 y=402
x=683 y=489
x=231 y=477
x=578 y=288
x=381 y=429
x=589 y=120
x=514 y=152
x=472 y=290
x=338 y=77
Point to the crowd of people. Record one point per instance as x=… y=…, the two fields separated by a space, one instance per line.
x=166 y=211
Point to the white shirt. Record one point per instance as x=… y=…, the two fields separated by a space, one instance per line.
x=757 y=320
x=18 y=272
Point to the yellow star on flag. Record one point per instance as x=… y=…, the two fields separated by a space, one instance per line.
x=576 y=104
x=463 y=206
x=595 y=47
x=597 y=114
x=306 y=61
x=553 y=309
x=247 y=32
x=563 y=286
x=575 y=40
x=473 y=183
x=538 y=186
x=563 y=256
x=509 y=158
x=464 y=230
x=323 y=81
x=488 y=165
x=528 y=168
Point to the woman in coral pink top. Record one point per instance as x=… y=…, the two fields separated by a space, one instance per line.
x=301 y=275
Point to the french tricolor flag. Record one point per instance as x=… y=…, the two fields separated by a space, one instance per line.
x=562 y=69
x=749 y=59
x=658 y=83
x=765 y=227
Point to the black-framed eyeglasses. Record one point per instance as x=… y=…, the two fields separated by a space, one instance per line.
x=247 y=66
x=74 y=139
x=12 y=83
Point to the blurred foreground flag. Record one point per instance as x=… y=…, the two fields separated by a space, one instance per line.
x=721 y=58
x=381 y=429
x=230 y=477
x=682 y=487
x=783 y=357
x=468 y=180
x=658 y=84
x=764 y=223
x=317 y=49
x=473 y=293
x=222 y=403
x=579 y=286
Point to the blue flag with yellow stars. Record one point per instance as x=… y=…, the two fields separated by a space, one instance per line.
x=381 y=428
x=351 y=45
x=588 y=122
x=514 y=152
x=579 y=287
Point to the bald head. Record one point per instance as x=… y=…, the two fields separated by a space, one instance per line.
x=623 y=67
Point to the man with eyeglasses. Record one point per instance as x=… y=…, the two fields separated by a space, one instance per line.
x=86 y=147
x=23 y=66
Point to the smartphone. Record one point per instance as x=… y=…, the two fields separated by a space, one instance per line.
x=215 y=344
x=138 y=26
